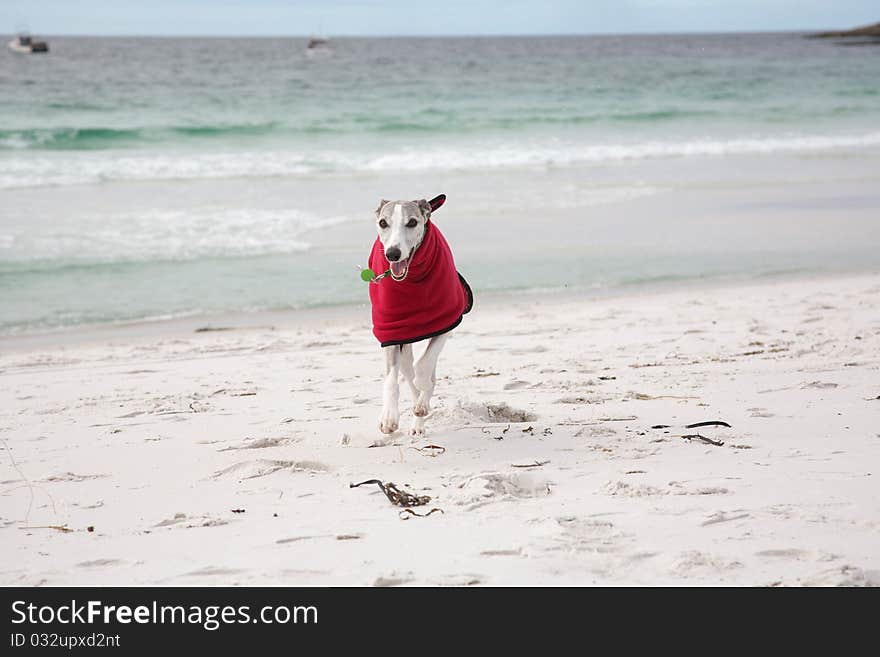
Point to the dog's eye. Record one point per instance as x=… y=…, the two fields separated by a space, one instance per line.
x=383 y=223
x=412 y=223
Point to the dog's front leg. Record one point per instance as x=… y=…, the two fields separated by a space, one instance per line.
x=417 y=429
x=424 y=380
x=388 y=421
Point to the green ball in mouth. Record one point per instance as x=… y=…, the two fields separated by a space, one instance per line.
x=367 y=275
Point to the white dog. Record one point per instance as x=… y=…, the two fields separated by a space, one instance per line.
x=419 y=295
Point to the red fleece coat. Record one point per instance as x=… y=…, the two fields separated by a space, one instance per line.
x=431 y=300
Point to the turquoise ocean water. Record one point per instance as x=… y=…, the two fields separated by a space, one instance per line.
x=147 y=178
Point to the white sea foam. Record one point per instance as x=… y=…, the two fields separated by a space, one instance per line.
x=562 y=154
x=61 y=169
x=163 y=235
x=571 y=196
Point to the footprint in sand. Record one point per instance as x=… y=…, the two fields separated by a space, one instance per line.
x=702 y=564
x=494 y=486
x=676 y=488
x=465 y=412
x=760 y=412
x=515 y=552
x=821 y=385
x=264 y=467
x=595 y=399
x=73 y=477
x=539 y=349
x=97 y=563
x=338 y=537
x=393 y=579
x=502 y=412
x=626 y=489
x=464 y=579
x=262 y=443
x=720 y=517
x=844 y=575
x=183 y=521
x=597 y=431
x=209 y=571
x=787 y=553
x=588 y=534
x=168 y=522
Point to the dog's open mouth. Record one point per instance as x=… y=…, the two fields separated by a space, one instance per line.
x=399 y=269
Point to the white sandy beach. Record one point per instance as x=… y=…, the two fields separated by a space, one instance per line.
x=153 y=435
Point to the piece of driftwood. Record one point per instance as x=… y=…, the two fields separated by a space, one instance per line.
x=641 y=396
x=709 y=423
x=405 y=514
x=593 y=423
x=430 y=450
x=58 y=528
x=709 y=441
x=397 y=496
x=536 y=464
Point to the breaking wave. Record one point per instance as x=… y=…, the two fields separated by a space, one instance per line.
x=59 y=169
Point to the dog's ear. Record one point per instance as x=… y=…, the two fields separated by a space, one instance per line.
x=425 y=207
x=382 y=203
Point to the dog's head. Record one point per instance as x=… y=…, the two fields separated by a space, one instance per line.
x=401 y=226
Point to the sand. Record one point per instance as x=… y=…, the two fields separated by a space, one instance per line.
x=158 y=455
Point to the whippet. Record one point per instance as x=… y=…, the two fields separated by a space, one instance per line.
x=420 y=296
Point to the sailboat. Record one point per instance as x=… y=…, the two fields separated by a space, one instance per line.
x=318 y=45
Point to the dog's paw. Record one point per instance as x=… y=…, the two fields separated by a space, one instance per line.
x=421 y=408
x=417 y=431
x=388 y=424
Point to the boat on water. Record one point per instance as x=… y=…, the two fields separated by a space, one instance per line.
x=318 y=46
x=26 y=44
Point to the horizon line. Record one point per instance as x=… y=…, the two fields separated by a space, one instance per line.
x=424 y=36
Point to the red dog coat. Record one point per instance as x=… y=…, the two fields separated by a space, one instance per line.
x=431 y=300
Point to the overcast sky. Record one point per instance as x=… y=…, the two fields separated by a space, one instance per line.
x=418 y=17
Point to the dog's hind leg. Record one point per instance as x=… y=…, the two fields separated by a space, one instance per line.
x=388 y=421
x=408 y=371
x=406 y=368
x=424 y=380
